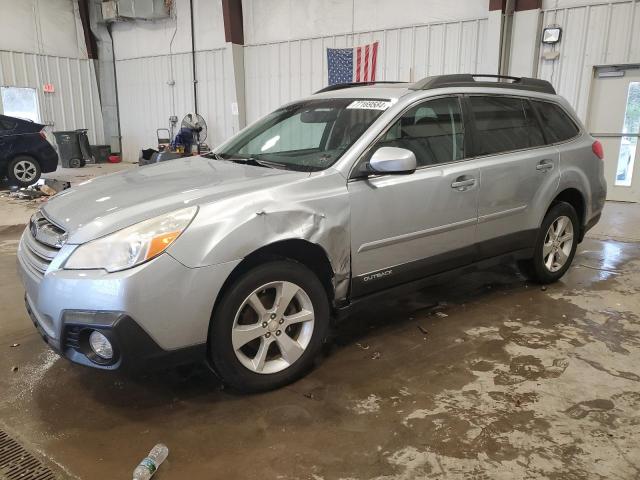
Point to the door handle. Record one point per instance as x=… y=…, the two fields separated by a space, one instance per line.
x=544 y=165
x=462 y=183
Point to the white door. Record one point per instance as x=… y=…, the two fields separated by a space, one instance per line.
x=614 y=119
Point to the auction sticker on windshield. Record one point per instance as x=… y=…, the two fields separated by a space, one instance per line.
x=370 y=104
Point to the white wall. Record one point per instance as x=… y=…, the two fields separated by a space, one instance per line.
x=552 y=4
x=133 y=39
x=41 y=41
x=279 y=72
x=277 y=20
x=285 y=52
x=525 y=43
x=155 y=78
x=418 y=38
x=46 y=27
x=146 y=100
x=602 y=33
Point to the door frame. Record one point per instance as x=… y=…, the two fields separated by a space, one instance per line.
x=607 y=135
x=403 y=273
x=590 y=89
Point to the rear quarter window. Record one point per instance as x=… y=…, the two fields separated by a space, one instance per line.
x=557 y=125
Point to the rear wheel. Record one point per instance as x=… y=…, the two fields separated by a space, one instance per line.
x=23 y=171
x=556 y=245
x=269 y=326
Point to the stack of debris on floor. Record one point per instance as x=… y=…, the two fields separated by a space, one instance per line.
x=39 y=191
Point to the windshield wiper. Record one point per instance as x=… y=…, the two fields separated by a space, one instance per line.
x=213 y=155
x=257 y=162
x=271 y=164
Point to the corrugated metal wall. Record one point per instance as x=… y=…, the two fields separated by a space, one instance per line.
x=75 y=102
x=279 y=72
x=595 y=34
x=147 y=100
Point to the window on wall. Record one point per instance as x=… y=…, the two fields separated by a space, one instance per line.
x=432 y=130
x=20 y=102
x=628 y=144
x=504 y=124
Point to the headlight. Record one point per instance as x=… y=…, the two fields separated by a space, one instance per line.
x=133 y=245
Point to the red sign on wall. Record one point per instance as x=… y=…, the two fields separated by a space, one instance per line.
x=48 y=88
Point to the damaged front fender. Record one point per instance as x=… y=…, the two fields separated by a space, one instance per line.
x=315 y=209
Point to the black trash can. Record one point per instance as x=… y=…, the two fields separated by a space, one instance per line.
x=73 y=148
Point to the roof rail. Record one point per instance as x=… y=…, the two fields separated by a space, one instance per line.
x=340 y=86
x=469 y=80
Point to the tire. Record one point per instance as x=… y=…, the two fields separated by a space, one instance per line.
x=23 y=171
x=239 y=336
x=75 y=163
x=563 y=219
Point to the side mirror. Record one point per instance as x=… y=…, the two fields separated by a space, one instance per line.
x=393 y=160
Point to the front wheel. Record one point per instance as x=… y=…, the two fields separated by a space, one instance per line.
x=269 y=326
x=556 y=245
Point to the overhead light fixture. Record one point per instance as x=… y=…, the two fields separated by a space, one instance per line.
x=551 y=35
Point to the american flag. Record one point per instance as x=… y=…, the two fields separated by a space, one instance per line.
x=357 y=64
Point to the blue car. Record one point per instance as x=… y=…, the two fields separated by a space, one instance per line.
x=25 y=151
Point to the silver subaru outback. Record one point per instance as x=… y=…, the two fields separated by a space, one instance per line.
x=242 y=257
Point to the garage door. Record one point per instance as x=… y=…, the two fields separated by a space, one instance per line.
x=614 y=119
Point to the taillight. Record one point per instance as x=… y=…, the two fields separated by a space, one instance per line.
x=42 y=134
x=597 y=149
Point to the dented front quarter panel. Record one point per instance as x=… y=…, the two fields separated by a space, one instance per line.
x=314 y=208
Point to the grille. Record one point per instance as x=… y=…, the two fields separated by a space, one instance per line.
x=18 y=464
x=72 y=337
x=40 y=250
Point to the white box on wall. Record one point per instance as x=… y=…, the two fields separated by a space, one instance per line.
x=109 y=11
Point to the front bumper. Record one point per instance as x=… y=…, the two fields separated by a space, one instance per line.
x=157 y=313
x=134 y=349
x=47 y=157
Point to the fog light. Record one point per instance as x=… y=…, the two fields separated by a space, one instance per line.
x=100 y=345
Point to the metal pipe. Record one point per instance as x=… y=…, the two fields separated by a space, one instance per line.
x=505 y=38
x=195 y=80
x=193 y=60
x=115 y=81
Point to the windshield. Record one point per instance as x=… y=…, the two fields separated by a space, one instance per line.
x=308 y=136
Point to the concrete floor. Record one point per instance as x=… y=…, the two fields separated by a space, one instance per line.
x=500 y=380
x=15 y=211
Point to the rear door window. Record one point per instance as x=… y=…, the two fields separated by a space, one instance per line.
x=557 y=125
x=504 y=124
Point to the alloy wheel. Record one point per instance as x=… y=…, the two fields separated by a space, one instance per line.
x=273 y=327
x=25 y=171
x=558 y=243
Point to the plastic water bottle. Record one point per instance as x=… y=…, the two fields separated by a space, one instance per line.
x=149 y=465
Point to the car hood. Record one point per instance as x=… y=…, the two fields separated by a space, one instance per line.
x=105 y=204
